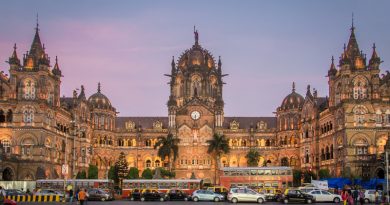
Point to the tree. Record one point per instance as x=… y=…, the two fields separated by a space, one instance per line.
x=113 y=174
x=93 y=172
x=297 y=174
x=252 y=158
x=323 y=173
x=133 y=173
x=218 y=145
x=308 y=176
x=147 y=174
x=168 y=148
x=81 y=175
x=122 y=166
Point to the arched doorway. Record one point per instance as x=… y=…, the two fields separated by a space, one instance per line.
x=8 y=174
x=380 y=173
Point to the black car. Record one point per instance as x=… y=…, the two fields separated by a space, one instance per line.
x=135 y=195
x=293 y=195
x=15 y=192
x=176 y=195
x=152 y=195
x=99 y=195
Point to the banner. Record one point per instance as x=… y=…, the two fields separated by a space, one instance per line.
x=320 y=184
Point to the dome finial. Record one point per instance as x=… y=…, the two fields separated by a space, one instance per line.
x=293 y=87
x=352 y=27
x=99 y=87
x=37 y=28
x=196 y=36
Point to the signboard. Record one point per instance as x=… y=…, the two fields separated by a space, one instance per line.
x=320 y=184
x=64 y=169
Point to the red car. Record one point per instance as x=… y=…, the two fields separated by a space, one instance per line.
x=9 y=202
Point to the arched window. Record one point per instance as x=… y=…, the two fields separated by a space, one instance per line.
x=267 y=143
x=243 y=143
x=331 y=151
x=196 y=85
x=6 y=144
x=148 y=163
x=9 y=116
x=359 y=112
x=338 y=95
x=157 y=163
x=29 y=89
x=284 y=162
x=322 y=154
x=307 y=158
x=28 y=115
x=148 y=143
x=2 y=116
x=360 y=89
x=234 y=143
x=327 y=156
x=293 y=161
x=120 y=143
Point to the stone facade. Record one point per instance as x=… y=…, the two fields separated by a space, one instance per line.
x=40 y=131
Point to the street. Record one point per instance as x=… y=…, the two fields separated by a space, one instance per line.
x=156 y=203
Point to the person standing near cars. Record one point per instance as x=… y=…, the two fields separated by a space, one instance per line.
x=2 y=195
x=82 y=196
x=355 y=195
x=344 y=196
x=361 y=196
x=71 y=196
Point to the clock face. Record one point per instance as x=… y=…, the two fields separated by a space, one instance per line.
x=195 y=115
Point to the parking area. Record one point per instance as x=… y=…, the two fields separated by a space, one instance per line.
x=153 y=203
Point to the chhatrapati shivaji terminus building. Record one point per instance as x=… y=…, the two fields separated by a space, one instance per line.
x=344 y=131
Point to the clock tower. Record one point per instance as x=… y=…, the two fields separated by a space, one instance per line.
x=195 y=108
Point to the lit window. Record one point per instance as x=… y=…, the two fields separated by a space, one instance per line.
x=6 y=146
x=28 y=115
x=29 y=89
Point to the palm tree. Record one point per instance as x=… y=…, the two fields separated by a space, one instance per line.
x=252 y=158
x=218 y=145
x=167 y=147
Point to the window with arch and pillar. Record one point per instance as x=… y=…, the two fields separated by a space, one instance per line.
x=29 y=89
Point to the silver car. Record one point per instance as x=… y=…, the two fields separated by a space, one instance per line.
x=245 y=195
x=206 y=195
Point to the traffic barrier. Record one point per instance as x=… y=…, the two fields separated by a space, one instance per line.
x=50 y=198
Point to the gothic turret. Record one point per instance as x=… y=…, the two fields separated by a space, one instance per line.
x=14 y=61
x=375 y=61
x=332 y=70
x=56 y=70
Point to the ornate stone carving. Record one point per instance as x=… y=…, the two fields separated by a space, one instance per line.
x=129 y=125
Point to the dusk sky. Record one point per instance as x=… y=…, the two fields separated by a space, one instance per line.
x=128 y=45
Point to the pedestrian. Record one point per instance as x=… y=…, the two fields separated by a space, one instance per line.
x=82 y=196
x=376 y=195
x=71 y=196
x=350 y=198
x=86 y=196
x=344 y=196
x=355 y=195
x=361 y=196
x=76 y=195
x=2 y=195
x=336 y=190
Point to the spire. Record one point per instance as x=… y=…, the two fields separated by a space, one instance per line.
x=353 y=47
x=196 y=34
x=82 y=94
x=99 y=88
x=219 y=65
x=332 y=69
x=36 y=47
x=173 y=71
x=56 y=69
x=375 y=60
x=293 y=87
x=14 y=60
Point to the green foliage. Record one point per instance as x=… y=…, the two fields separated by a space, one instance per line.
x=297 y=174
x=81 y=175
x=218 y=145
x=93 y=172
x=324 y=173
x=308 y=176
x=121 y=166
x=252 y=158
x=147 y=174
x=166 y=173
x=113 y=174
x=133 y=173
x=168 y=148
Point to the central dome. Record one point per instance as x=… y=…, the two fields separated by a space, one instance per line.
x=292 y=101
x=196 y=57
x=100 y=101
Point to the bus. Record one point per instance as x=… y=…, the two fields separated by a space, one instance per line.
x=58 y=184
x=163 y=185
x=256 y=177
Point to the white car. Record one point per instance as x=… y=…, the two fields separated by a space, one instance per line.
x=325 y=196
x=245 y=195
x=369 y=196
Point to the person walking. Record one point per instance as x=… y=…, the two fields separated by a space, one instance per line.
x=350 y=198
x=361 y=196
x=86 y=196
x=355 y=195
x=2 y=195
x=376 y=195
x=344 y=196
x=71 y=196
x=82 y=196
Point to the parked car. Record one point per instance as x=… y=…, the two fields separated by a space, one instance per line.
x=135 y=195
x=176 y=195
x=325 y=196
x=295 y=195
x=219 y=190
x=369 y=196
x=245 y=195
x=151 y=195
x=9 y=202
x=15 y=192
x=206 y=195
x=271 y=194
x=99 y=195
x=50 y=192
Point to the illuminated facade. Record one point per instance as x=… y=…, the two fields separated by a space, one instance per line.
x=39 y=130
